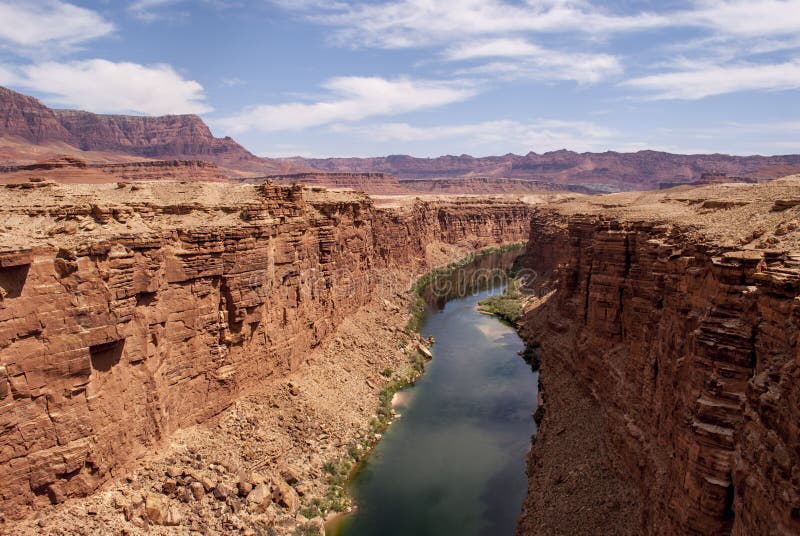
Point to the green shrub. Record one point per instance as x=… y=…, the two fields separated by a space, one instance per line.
x=506 y=306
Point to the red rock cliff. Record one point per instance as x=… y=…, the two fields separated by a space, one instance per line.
x=686 y=345
x=164 y=137
x=128 y=313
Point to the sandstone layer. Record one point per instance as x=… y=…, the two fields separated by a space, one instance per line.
x=487 y=185
x=673 y=318
x=129 y=312
x=75 y=170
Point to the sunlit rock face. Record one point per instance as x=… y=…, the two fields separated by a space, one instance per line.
x=688 y=348
x=130 y=311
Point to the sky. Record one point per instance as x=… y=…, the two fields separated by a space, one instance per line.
x=320 y=78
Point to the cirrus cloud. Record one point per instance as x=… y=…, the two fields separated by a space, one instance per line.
x=352 y=98
x=533 y=62
x=700 y=81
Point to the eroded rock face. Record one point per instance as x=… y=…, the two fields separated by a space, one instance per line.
x=689 y=349
x=164 y=137
x=168 y=301
x=27 y=118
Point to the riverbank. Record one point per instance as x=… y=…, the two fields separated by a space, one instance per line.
x=454 y=463
x=343 y=471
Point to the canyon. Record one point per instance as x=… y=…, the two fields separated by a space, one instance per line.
x=191 y=334
x=146 y=323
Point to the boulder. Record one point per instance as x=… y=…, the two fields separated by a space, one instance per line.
x=285 y=495
x=259 y=499
x=159 y=512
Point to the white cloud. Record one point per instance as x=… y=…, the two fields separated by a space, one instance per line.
x=414 y=23
x=540 y=136
x=701 y=81
x=106 y=87
x=534 y=62
x=232 y=82
x=147 y=10
x=493 y=48
x=746 y=18
x=352 y=99
x=155 y=10
x=51 y=24
x=733 y=31
x=7 y=76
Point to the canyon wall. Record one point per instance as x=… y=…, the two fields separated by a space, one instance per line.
x=486 y=185
x=129 y=312
x=686 y=347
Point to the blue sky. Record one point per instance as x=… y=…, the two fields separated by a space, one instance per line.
x=425 y=77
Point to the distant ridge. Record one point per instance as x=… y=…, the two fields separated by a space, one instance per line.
x=609 y=171
x=27 y=125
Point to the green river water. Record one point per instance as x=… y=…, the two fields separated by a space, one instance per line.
x=454 y=463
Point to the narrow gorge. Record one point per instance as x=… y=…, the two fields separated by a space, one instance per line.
x=198 y=354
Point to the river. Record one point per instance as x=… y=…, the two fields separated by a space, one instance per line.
x=454 y=463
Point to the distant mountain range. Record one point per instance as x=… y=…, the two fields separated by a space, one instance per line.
x=609 y=171
x=30 y=131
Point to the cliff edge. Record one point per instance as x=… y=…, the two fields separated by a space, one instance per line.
x=668 y=331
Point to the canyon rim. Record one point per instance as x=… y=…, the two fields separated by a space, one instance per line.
x=204 y=335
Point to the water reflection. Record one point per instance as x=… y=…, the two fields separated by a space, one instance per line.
x=455 y=463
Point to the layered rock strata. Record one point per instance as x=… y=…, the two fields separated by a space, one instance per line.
x=678 y=324
x=129 y=312
x=71 y=169
x=371 y=183
x=165 y=137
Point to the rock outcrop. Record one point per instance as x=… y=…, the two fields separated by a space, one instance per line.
x=487 y=185
x=128 y=312
x=679 y=323
x=371 y=183
x=165 y=137
x=27 y=118
x=162 y=138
